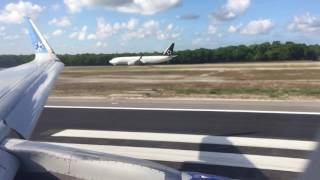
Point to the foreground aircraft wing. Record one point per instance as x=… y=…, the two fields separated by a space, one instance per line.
x=24 y=89
x=23 y=92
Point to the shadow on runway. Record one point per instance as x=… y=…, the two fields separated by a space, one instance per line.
x=224 y=169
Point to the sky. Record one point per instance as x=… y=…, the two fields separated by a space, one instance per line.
x=116 y=26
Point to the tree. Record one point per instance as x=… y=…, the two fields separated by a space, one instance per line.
x=275 y=51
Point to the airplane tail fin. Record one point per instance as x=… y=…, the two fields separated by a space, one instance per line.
x=40 y=44
x=169 y=50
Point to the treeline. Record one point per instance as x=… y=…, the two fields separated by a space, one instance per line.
x=275 y=51
x=13 y=60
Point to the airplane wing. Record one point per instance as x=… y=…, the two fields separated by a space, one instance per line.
x=23 y=92
x=24 y=89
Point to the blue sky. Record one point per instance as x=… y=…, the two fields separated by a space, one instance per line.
x=109 y=26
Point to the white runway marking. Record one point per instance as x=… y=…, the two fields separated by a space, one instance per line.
x=210 y=158
x=188 y=138
x=191 y=110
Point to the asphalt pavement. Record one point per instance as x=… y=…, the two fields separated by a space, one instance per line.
x=244 y=144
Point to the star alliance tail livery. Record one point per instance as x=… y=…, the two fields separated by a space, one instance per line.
x=169 y=51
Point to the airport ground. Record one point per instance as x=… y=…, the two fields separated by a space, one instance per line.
x=239 y=139
x=161 y=113
x=286 y=80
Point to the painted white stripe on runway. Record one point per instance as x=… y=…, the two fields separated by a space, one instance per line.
x=179 y=109
x=211 y=158
x=188 y=138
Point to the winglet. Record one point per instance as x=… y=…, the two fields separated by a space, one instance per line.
x=39 y=43
x=169 y=50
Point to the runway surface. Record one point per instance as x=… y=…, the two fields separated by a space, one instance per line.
x=243 y=144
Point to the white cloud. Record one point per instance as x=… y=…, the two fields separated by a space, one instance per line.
x=203 y=39
x=306 y=23
x=170 y=27
x=153 y=28
x=232 y=9
x=257 y=27
x=57 y=32
x=5 y=36
x=151 y=24
x=132 y=24
x=79 y=35
x=104 y=29
x=14 y=12
x=10 y=37
x=139 y=34
x=169 y=33
x=145 y=7
x=2 y=29
x=147 y=29
x=212 y=29
x=74 y=5
x=82 y=34
x=62 y=22
x=150 y=27
x=130 y=29
x=211 y=37
x=92 y=37
x=234 y=29
x=73 y=35
x=101 y=44
x=148 y=7
x=167 y=36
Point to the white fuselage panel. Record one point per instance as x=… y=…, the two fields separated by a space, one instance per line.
x=133 y=60
x=124 y=60
x=155 y=59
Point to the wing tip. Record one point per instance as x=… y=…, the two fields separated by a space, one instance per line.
x=39 y=43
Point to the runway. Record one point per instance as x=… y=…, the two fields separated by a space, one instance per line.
x=243 y=144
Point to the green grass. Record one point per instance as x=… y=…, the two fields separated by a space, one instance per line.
x=270 y=92
x=247 y=80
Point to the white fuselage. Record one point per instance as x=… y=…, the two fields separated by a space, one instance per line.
x=136 y=60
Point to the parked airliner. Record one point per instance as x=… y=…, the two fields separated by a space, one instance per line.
x=142 y=60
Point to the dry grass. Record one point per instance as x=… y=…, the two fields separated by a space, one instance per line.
x=257 y=80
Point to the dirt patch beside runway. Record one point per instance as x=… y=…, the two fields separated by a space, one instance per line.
x=289 y=80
